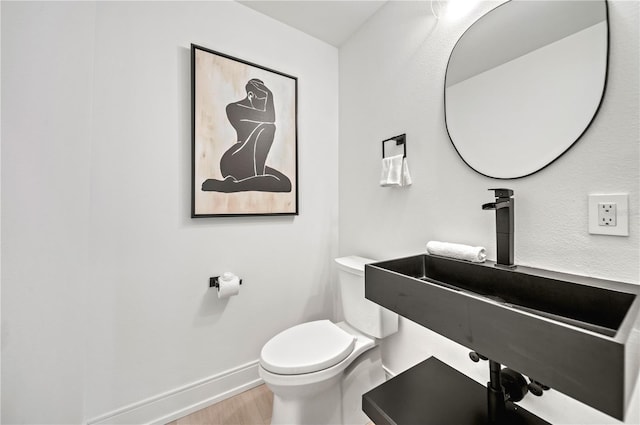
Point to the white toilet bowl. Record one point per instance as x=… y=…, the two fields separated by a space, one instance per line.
x=318 y=372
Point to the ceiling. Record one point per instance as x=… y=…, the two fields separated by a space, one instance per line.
x=332 y=21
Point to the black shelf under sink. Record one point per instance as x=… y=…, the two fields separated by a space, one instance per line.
x=433 y=393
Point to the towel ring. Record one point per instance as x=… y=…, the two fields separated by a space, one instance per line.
x=400 y=140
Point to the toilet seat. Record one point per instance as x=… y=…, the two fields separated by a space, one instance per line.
x=306 y=348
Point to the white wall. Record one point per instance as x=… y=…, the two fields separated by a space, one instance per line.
x=47 y=55
x=392 y=82
x=0 y=215
x=105 y=299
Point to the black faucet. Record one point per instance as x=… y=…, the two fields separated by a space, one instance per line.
x=504 y=206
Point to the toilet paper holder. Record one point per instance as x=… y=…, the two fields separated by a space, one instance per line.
x=215 y=283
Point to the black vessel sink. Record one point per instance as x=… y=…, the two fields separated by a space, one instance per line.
x=577 y=334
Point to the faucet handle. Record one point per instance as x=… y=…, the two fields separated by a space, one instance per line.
x=503 y=193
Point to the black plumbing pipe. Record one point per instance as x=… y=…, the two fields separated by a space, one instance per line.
x=495 y=394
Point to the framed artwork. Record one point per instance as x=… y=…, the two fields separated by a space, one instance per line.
x=244 y=137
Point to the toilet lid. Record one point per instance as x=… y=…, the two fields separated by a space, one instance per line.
x=306 y=348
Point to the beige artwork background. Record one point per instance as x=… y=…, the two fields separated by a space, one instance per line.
x=220 y=81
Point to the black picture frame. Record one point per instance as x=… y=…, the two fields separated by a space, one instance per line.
x=244 y=137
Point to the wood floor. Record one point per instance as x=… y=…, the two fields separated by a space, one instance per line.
x=251 y=407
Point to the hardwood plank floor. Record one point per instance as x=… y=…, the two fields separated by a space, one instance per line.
x=252 y=407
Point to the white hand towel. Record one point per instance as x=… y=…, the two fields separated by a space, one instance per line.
x=475 y=254
x=395 y=171
x=406 y=177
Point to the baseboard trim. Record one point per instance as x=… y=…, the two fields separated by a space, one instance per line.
x=181 y=401
x=388 y=373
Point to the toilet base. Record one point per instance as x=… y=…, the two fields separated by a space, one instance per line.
x=323 y=406
x=363 y=375
x=335 y=401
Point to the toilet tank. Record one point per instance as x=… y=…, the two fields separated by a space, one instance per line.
x=364 y=315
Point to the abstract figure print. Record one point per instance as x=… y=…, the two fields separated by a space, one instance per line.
x=244 y=164
x=244 y=137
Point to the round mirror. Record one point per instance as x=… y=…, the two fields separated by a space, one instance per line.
x=524 y=82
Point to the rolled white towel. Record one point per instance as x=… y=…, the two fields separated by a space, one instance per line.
x=475 y=254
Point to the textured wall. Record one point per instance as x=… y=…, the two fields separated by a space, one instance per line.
x=392 y=82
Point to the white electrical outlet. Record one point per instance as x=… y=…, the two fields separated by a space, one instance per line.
x=608 y=214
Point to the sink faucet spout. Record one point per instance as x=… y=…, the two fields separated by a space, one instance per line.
x=497 y=205
x=489 y=206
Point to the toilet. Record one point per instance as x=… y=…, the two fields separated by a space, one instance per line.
x=319 y=370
